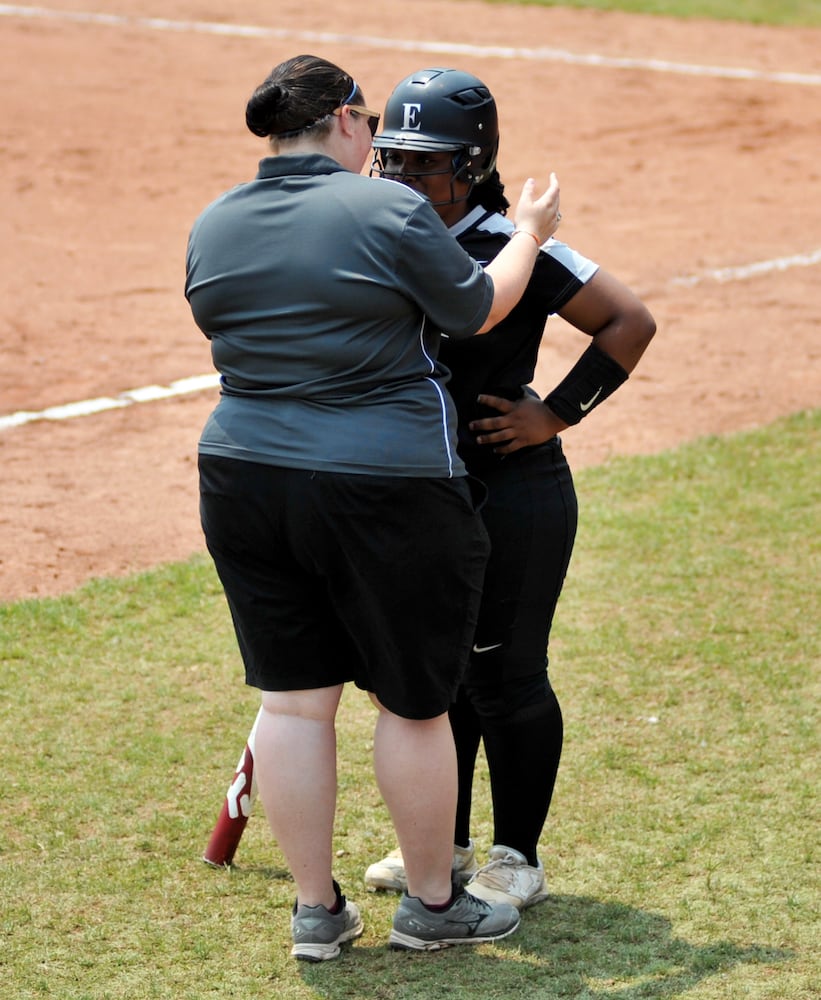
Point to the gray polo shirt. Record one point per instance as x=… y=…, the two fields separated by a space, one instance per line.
x=323 y=293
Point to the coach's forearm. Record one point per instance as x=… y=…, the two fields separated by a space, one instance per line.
x=536 y=220
x=510 y=271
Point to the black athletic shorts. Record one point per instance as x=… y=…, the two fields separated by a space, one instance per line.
x=333 y=577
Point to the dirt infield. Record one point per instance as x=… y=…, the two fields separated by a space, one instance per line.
x=116 y=134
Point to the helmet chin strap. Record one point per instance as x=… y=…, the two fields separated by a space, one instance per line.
x=467 y=179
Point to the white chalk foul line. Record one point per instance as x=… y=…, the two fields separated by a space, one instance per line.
x=145 y=394
x=723 y=274
x=412 y=45
x=198 y=383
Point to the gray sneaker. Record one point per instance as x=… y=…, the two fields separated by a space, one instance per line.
x=317 y=933
x=467 y=920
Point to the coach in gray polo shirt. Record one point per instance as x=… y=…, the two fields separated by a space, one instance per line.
x=332 y=499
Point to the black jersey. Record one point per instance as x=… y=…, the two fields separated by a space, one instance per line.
x=503 y=361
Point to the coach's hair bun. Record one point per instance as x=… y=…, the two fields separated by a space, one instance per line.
x=263 y=113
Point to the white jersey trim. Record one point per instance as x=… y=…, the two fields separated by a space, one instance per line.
x=582 y=267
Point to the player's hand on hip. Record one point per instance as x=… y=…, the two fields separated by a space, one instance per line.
x=540 y=214
x=520 y=424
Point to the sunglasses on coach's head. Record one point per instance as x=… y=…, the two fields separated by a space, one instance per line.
x=357 y=109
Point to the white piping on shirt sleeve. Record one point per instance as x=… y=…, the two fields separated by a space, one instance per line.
x=576 y=263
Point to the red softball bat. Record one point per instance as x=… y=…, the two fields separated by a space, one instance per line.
x=236 y=808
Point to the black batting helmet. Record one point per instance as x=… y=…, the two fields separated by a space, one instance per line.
x=440 y=110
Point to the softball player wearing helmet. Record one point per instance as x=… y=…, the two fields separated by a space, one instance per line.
x=441 y=138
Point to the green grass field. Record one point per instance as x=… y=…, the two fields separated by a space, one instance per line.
x=682 y=848
x=795 y=13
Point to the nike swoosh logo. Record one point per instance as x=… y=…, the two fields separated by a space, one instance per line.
x=584 y=407
x=486 y=649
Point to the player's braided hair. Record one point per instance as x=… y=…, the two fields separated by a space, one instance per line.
x=490 y=194
x=298 y=94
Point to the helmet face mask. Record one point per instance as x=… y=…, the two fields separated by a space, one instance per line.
x=442 y=110
x=403 y=165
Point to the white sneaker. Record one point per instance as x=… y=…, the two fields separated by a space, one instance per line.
x=389 y=873
x=508 y=878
